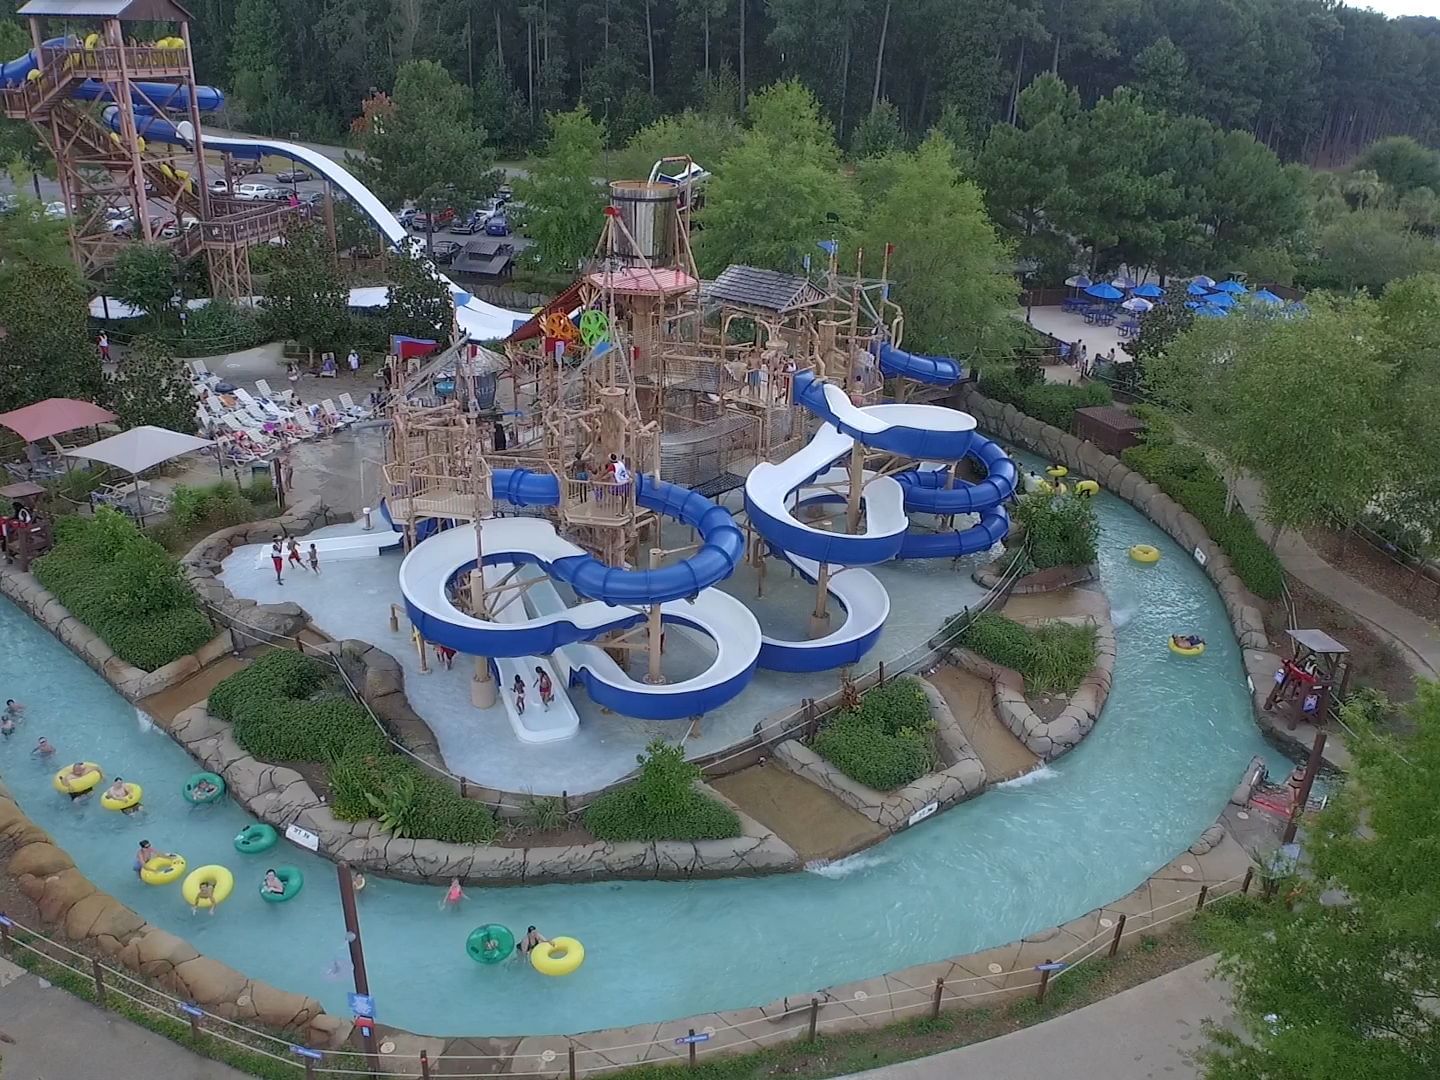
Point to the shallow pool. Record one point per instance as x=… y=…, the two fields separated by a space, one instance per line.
x=1169 y=748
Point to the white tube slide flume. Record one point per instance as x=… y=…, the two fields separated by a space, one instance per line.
x=865 y=605
x=428 y=569
x=537 y=724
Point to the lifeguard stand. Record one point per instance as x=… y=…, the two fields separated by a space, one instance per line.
x=1317 y=670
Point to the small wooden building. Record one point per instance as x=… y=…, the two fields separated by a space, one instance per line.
x=1110 y=428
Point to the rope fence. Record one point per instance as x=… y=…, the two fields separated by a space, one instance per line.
x=811 y=1018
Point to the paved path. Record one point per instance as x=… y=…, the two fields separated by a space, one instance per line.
x=58 y=1035
x=1418 y=637
x=1146 y=1033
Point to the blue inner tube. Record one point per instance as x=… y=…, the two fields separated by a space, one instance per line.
x=293 y=881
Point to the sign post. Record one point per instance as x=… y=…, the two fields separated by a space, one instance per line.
x=361 y=997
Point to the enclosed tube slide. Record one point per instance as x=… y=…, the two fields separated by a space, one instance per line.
x=932 y=370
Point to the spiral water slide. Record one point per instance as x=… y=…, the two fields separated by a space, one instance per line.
x=480 y=321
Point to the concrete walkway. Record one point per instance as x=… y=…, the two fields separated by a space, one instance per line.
x=1418 y=638
x=1148 y=1032
x=57 y=1035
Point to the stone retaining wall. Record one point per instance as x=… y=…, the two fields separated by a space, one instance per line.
x=1051 y=579
x=1049 y=739
x=1009 y=424
x=129 y=681
x=962 y=778
x=72 y=905
x=281 y=796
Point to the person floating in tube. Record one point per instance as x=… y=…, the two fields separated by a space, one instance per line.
x=1187 y=641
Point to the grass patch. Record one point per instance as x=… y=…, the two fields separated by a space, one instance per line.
x=284 y=708
x=125 y=587
x=1183 y=473
x=885 y=742
x=1052 y=657
x=661 y=803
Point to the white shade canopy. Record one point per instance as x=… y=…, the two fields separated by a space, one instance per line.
x=140 y=448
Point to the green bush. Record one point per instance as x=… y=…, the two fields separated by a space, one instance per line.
x=661 y=803
x=1059 y=530
x=218 y=327
x=76 y=485
x=884 y=743
x=125 y=587
x=1183 y=473
x=1052 y=657
x=1054 y=403
x=217 y=505
x=281 y=709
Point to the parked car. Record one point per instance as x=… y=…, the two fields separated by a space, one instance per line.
x=219 y=187
x=470 y=225
x=425 y=223
x=444 y=251
x=256 y=191
x=56 y=210
x=242 y=167
x=294 y=176
x=503 y=194
x=497 y=226
x=169 y=229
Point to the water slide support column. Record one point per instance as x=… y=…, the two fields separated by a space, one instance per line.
x=482 y=686
x=820 y=617
x=857 y=488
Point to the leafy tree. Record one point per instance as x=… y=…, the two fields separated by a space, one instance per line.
x=422 y=143
x=305 y=300
x=1158 y=328
x=418 y=303
x=29 y=236
x=788 y=114
x=1340 y=981
x=704 y=136
x=45 y=344
x=1162 y=75
x=879 y=133
x=1366 y=250
x=150 y=387
x=261 y=75
x=1402 y=163
x=561 y=198
x=20 y=146
x=951 y=271
x=145 y=276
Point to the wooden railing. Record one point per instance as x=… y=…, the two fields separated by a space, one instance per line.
x=598 y=501
x=61 y=65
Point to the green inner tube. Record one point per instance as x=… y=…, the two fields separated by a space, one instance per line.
x=193 y=782
x=293 y=881
x=256 y=838
x=489 y=944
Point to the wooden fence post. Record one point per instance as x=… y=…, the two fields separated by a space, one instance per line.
x=1115 y=938
x=4 y=935
x=99 y=981
x=194 y=1024
x=1044 y=982
x=572 y=1061
x=814 y=1017
x=425 y=1064
x=309 y=1069
x=1249 y=877
x=1200 y=900
x=935 y=1000
x=691 y=1047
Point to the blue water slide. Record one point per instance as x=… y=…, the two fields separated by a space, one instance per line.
x=925 y=490
x=15 y=72
x=923 y=432
x=150 y=96
x=931 y=370
x=993 y=527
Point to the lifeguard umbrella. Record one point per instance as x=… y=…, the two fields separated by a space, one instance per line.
x=1104 y=292
x=1137 y=304
x=1234 y=288
x=1149 y=291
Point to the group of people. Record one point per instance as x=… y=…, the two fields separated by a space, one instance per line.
x=542 y=683
x=11 y=718
x=278 y=555
x=1083 y=360
x=616 y=474
x=455 y=894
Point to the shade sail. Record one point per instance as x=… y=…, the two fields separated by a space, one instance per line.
x=1150 y=291
x=1104 y=292
x=140 y=448
x=54 y=416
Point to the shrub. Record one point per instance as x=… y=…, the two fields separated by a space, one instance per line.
x=218 y=327
x=1054 y=403
x=884 y=742
x=1183 y=473
x=1060 y=530
x=661 y=803
x=216 y=505
x=125 y=587
x=1052 y=657
x=281 y=710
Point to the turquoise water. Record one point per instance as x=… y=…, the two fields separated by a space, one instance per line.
x=1156 y=770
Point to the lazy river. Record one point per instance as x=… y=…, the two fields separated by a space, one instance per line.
x=1169 y=747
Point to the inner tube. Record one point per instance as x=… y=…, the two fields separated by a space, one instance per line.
x=77 y=785
x=293 y=881
x=1183 y=650
x=489 y=944
x=1057 y=471
x=217 y=875
x=255 y=838
x=131 y=800
x=1145 y=553
x=194 y=782
x=162 y=869
x=1087 y=487
x=558 y=956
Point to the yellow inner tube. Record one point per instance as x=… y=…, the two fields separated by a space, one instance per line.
x=1057 y=471
x=222 y=879
x=559 y=956
x=1145 y=553
x=133 y=799
x=74 y=785
x=1087 y=487
x=162 y=869
x=1182 y=650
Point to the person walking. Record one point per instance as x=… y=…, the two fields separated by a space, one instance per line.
x=294 y=551
x=353 y=360
x=277 y=559
x=314 y=560
x=104 y=344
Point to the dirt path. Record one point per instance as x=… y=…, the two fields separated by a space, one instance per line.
x=970 y=699
x=813 y=822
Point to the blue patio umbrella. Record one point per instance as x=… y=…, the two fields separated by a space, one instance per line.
x=1265 y=296
x=1196 y=289
x=1221 y=300
x=1149 y=291
x=1234 y=288
x=1211 y=311
x=1124 y=282
x=1206 y=282
x=1104 y=292
x=1079 y=281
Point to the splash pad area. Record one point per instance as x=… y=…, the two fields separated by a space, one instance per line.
x=1174 y=737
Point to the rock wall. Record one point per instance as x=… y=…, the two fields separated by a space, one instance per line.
x=1051 y=579
x=68 y=902
x=281 y=796
x=962 y=778
x=1049 y=739
x=1008 y=424
x=127 y=679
